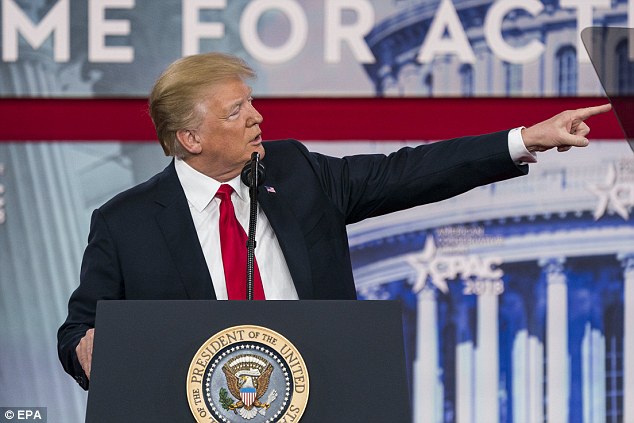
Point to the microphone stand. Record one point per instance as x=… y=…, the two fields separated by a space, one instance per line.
x=250 y=176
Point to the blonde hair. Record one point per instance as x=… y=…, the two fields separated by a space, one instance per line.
x=177 y=95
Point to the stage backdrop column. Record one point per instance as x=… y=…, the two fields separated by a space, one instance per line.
x=465 y=353
x=487 y=362
x=628 y=335
x=557 y=356
x=593 y=370
x=45 y=230
x=426 y=389
x=536 y=379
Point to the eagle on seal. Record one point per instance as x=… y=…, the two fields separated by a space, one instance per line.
x=248 y=384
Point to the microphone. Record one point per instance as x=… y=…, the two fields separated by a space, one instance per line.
x=252 y=176
x=248 y=172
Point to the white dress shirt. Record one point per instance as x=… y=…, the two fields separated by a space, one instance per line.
x=200 y=191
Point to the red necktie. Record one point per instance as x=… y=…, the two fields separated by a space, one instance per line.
x=233 y=243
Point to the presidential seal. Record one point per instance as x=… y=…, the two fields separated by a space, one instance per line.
x=247 y=374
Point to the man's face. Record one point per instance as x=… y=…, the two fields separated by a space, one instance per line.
x=229 y=132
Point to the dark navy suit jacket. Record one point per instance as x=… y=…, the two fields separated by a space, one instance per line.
x=143 y=245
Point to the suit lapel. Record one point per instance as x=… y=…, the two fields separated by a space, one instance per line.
x=178 y=229
x=290 y=238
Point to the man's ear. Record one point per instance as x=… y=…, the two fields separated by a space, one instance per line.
x=189 y=140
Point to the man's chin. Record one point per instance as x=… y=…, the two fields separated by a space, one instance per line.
x=258 y=149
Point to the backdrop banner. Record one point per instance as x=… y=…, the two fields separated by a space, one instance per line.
x=516 y=295
x=423 y=48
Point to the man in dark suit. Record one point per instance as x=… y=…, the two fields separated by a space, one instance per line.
x=160 y=239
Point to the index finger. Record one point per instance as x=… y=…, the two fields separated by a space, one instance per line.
x=587 y=112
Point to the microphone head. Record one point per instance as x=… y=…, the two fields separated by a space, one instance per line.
x=247 y=172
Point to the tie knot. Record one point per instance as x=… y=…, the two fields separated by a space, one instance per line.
x=224 y=192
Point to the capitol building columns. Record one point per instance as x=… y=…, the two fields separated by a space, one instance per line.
x=561 y=358
x=477 y=370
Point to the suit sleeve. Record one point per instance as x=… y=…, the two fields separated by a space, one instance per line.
x=100 y=279
x=365 y=186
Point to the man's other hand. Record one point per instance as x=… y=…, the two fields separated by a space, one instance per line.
x=84 y=351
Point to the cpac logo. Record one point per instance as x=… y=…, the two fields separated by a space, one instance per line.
x=479 y=274
x=617 y=192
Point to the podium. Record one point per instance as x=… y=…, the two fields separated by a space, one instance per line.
x=352 y=350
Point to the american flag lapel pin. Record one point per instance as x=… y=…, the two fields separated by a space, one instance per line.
x=269 y=189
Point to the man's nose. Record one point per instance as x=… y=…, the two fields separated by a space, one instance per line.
x=255 y=118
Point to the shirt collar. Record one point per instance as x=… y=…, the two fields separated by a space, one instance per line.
x=200 y=189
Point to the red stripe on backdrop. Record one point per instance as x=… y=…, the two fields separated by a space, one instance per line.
x=303 y=118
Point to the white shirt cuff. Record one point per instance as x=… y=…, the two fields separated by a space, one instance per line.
x=517 y=149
